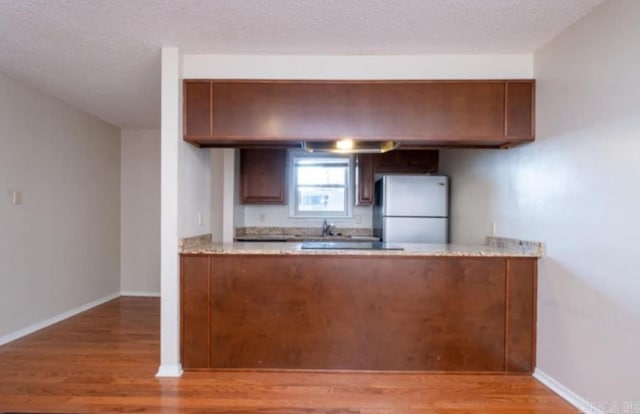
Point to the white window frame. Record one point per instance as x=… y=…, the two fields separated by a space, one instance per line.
x=295 y=155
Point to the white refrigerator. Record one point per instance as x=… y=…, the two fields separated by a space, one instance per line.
x=411 y=209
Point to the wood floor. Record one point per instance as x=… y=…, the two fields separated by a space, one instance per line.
x=104 y=360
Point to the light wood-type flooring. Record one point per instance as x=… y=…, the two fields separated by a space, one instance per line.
x=105 y=360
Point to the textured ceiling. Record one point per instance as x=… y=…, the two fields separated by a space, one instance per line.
x=103 y=56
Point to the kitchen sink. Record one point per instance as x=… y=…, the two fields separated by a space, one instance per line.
x=342 y=245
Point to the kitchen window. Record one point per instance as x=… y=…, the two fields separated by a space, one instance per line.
x=321 y=185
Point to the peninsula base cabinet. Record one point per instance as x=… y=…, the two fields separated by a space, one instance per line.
x=328 y=312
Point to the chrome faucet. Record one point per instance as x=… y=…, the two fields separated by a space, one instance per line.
x=327 y=228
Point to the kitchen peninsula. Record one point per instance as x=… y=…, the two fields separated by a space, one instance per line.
x=418 y=307
x=413 y=307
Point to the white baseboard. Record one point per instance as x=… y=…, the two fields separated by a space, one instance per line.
x=55 y=319
x=170 y=371
x=140 y=294
x=571 y=397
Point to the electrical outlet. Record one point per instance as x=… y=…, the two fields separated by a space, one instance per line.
x=16 y=197
x=358 y=219
x=262 y=218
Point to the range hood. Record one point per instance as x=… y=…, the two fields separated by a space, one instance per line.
x=348 y=146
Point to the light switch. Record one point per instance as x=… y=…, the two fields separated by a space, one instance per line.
x=200 y=218
x=16 y=196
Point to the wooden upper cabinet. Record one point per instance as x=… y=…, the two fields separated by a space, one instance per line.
x=399 y=161
x=263 y=177
x=489 y=113
x=409 y=161
x=363 y=110
x=519 y=106
x=364 y=179
x=197 y=109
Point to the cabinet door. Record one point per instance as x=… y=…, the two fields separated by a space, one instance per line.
x=521 y=315
x=197 y=109
x=263 y=176
x=519 y=101
x=407 y=161
x=325 y=312
x=195 y=302
x=303 y=110
x=364 y=180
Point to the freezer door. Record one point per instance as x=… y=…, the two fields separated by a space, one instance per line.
x=415 y=196
x=415 y=230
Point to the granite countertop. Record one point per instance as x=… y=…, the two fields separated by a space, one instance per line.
x=299 y=234
x=302 y=237
x=495 y=247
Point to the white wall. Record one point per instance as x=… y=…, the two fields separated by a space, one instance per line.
x=278 y=216
x=217 y=193
x=238 y=211
x=576 y=189
x=170 y=142
x=194 y=190
x=223 y=194
x=140 y=212
x=357 y=67
x=482 y=192
x=60 y=249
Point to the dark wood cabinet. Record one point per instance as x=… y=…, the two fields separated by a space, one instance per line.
x=521 y=308
x=364 y=185
x=358 y=312
x=407 y=161
x=520 y=122
x=491 y=113
x=195 y=302
x=398 y=161
x=263 y=176
x=197 y=109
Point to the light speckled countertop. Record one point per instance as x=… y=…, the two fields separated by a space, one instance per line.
x=301 y=238
x=300 y=234
x=517 y=249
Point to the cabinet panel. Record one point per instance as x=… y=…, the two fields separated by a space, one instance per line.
x=320 y=312
x=407 y=161
x=263 y=177
x=197 y=114
x=364 y=179
x=328 y=110
x=521 y=315
x=195 y=304
x=438 y=314
x=519 y=110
